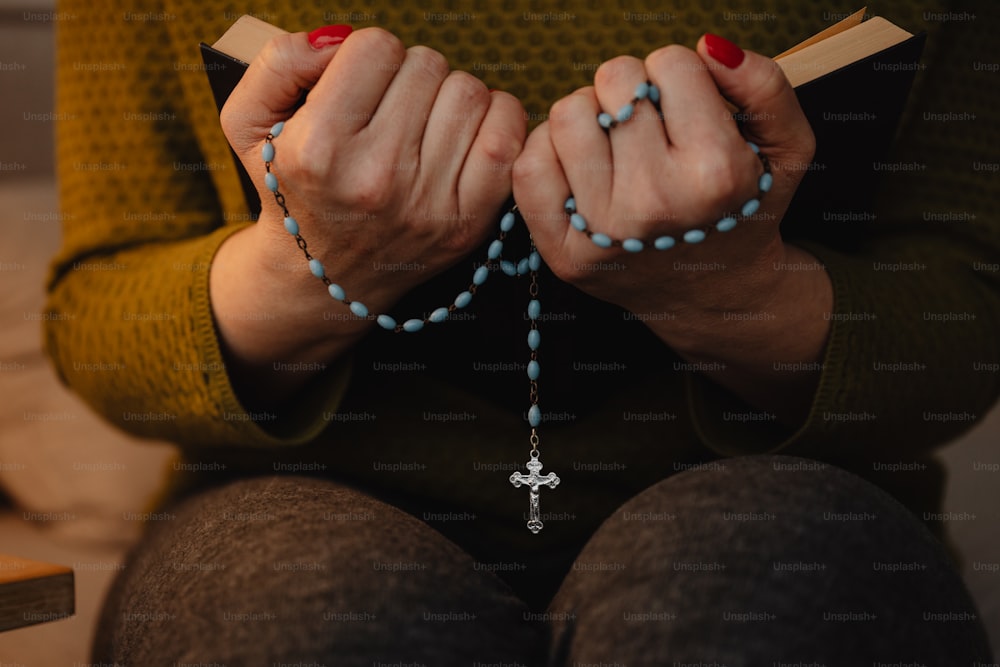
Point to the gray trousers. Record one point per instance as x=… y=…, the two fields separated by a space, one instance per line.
x=758 y=561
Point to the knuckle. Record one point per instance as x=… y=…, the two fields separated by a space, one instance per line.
x=720 y=180
x=380 y=45
x=429 y=61
x=312 y=158
x=500 y=147
x=561 y=112
x=371 y=189
x=468 y=89
x=617 y=69
x=671 y=56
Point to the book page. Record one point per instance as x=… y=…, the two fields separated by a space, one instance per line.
x=837 y=28
x=246 y=38
x=840 y=50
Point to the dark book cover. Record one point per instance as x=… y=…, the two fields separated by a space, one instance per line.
x=224 y=72
x=854 y=113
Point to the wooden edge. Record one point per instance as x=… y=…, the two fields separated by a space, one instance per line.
x=33 y=592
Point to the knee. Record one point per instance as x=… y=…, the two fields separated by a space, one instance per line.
x=294 y=569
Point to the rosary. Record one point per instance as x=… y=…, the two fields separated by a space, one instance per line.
x=529 y=266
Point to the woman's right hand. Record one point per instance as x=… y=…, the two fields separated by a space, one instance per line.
x=394 y=168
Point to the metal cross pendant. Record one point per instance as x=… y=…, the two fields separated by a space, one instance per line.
x=533 y=481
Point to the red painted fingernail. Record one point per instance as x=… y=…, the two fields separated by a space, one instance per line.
x=329 y=35
x=724 y=51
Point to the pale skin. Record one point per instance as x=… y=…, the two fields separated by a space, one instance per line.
x=426 y=153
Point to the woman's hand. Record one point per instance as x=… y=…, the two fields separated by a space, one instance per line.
x=395 y=167
x=723 y=300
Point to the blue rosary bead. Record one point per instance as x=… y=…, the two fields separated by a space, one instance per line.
x=654 y=94
x=750 y=208
x=570 y=205
x=495 y=249
x=386 y=322
x=508 y=268
x=277 y=128
x=267 y=151
x=413 y=325
x=534 y=261
x=534 y=339
x=632 y=245
x=694 y=236
x=534 y=416
x=271 y=181
x=438 y=315
x=481 y=274
x=534 y=370
x=316 y=267
x=359 y=309
x=664 y=243
x=507 y=222
x=624 y=113
x=534 y=309
x=641 y=90
x=336 y=291
x=291 y=226
x=463 y=299
x=765 y=181
x=522 y=267
x=605 y=120
x=754 y=147
x=601 y=240
x=726 y=224
x=578 y=222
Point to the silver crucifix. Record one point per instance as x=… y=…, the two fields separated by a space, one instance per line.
x=534 y=480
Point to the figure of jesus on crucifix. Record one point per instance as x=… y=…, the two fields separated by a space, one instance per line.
x=533 y=479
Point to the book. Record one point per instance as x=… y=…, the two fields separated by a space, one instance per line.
x=32 y=592
x=852 y=80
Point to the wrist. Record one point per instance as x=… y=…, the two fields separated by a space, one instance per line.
x=770 y=312
x=268 y=306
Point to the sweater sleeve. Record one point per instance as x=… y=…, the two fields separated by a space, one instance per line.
x=148 y=193
x=912 y=355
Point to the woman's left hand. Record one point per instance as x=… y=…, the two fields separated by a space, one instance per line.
x=652 y=176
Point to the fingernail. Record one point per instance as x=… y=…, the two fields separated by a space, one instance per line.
x=724 y=51
x=329 y=35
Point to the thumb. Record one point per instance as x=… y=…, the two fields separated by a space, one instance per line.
x=766 y=100
x=272 y=86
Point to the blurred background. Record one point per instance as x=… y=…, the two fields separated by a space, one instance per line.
x=72 y=489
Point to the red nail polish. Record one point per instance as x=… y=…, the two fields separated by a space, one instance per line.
x=329 y=35
x=724 y=51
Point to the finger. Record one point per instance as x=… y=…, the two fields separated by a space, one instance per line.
x=403 y=112
x=344 y=99
x=760 y=89
x=639 y=144
x=582 y=148
x=694 y=113
x=272 y=86
x=461 y=105
x=541 y=189
x=485 y=182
